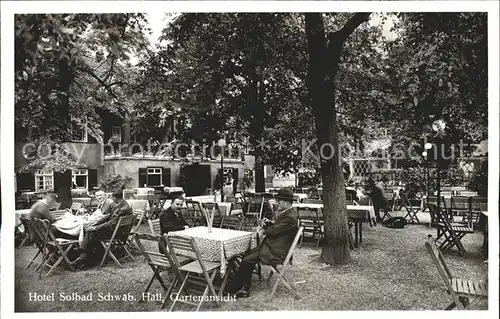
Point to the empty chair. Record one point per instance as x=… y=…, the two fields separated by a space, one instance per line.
x=465 y=293
x=200 y=271
x=310 y=222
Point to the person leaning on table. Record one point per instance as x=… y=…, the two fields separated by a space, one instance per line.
x=274 y=247
x=41 y=209
x=102 y=229
x=171 y=219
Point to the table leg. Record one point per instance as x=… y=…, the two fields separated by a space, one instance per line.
x=356 y=234
x=226 y=276
x=360 y=231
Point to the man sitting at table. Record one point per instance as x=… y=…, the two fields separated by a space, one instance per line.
x=102 y=229
x=171 y=219
x=274 y=247
x=376 y=192
x=104 y=203
x=41 y=208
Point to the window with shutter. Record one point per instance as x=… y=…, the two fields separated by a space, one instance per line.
x=143 y=177
x=92 y=179
x=166 y=176
x=25 y=182
x=154 y=176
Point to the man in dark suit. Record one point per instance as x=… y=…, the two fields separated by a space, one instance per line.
x=279 y=237
x=171 y=219
x=102 y=229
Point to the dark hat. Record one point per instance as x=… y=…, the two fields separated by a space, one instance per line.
x=285 y=194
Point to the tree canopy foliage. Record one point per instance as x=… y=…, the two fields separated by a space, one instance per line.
x=438 y=66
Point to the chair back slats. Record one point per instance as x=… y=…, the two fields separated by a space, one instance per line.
x=154 y=227
x=309 y=214
x=171 y=253
x=292 y=247
x=444 y=271
x=231 y=222
x=217 y=214
x=195 y=209
x=75 y=207
x=123 y=227
x=432 y=200
x=139 y=216
x=180 y=243
x=438 y=258
x=151 y=256
x=460 y=203
x=196 y=213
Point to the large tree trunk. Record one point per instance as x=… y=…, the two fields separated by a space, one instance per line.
x=63 y=188
x=257 y=94
x=323 y=66
x=63 y=180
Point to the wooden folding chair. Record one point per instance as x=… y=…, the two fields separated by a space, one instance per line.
x=253 y=212
x=138 y=216
x=232 y=222
x=33 y=236
x=432 y=201
x=478 y=204
x=53 y=247
x=309 y=220
x=281 y=272
x=206 y=270
x=412 y=207
x=465 y=293
x=154 y=227
x=159 y=263
x=118 y=239
x=452 y=234
x=217 y=215
x=75 y=207
x=459 y=207
x=196 y=213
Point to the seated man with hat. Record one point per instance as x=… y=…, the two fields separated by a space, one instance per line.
x=273 y=249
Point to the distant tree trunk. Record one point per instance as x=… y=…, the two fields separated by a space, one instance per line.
x=323 y=66
x=125 y=145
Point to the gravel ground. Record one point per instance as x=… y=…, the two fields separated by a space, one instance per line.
x=391 y=270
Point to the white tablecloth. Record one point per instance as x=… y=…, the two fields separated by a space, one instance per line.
x=300 y=196
x=219 y=245
x=144 y=190
x=73 y=225
x=173 y=189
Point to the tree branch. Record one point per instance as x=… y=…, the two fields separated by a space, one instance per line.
x=350 y=26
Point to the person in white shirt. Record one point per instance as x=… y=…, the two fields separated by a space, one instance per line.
x=104 y=204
